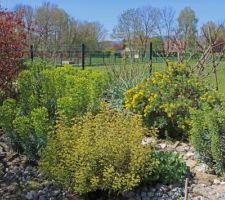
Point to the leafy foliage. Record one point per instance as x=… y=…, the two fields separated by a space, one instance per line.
x=170 y=170
x=32 y=131
x=12 y=45
x=208 y=136
x=44 y=93
x=165 y=99
x=102 y=152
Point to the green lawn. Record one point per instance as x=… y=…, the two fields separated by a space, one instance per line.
x=159 y=66
x=221 y=78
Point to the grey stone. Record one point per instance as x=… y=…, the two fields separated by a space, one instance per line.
x=130 y=194
x=189 y=155
x=32 y=195
x=42 y=197
x=56 y=193
x=150 y=194
x=143 y=194
x=202 y=168
x=158 y=194
x=216 y=182
x=163 y=145
x=146 y=198
x=180 y=149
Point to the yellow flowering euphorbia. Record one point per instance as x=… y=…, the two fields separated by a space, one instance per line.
x=165 y=99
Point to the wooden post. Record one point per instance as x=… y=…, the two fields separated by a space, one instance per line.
x=186 y=189
x=32 y=52
x=83 y=55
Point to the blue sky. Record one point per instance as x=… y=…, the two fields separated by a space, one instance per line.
x=107 y=11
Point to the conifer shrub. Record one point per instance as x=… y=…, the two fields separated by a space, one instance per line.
x=99 y=153
x=208 y=136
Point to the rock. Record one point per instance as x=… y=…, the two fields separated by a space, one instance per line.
x=180 y=149
x=163 y=145
x=146 y=198
x=150 y=194
x=2 y=155
x=158 y=194
x=158 y=186
x=176 y=144
x=216 y=182
x=165 y=196
x=164 y=189
x=189 y=155
x=143 y=194
x=42 y=197
x=32 y=195
x=201 y=168
x=148 y=140
x=191 y=163
x=153 y=190
x=4 y=146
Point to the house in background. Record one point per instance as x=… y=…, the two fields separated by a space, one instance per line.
x=118 y=49
x=173 y=46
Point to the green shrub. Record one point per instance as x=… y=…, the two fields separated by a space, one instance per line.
x=8 y=113
x=165 y=99
x=171 y=168
x=208 y=136
x=28 y=133
x=46 y=86
x=43 y=93
x=102 y=152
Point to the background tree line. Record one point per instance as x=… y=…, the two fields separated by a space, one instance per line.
x=168 y=32
x=50 y=28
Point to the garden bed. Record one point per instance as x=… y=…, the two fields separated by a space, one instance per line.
x=21 y=180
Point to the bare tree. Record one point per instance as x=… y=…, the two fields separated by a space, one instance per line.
x=136 y=27
x=166 y=28
x=127 y=27
x=148 y=18
x=29 y=21
x=211 y=45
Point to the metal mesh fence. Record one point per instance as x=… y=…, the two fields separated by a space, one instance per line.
x=79 y=56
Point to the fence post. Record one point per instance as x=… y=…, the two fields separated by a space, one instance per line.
x=32 y=52
x=114 y=58
x=83 y=55
x=103 y=58
x=150 y=58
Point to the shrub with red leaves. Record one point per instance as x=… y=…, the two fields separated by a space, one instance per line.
x=12 y=48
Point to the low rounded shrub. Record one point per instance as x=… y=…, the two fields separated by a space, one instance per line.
x=208 y=136
x=171 y=169
x=99 y=153
x=165 y=99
